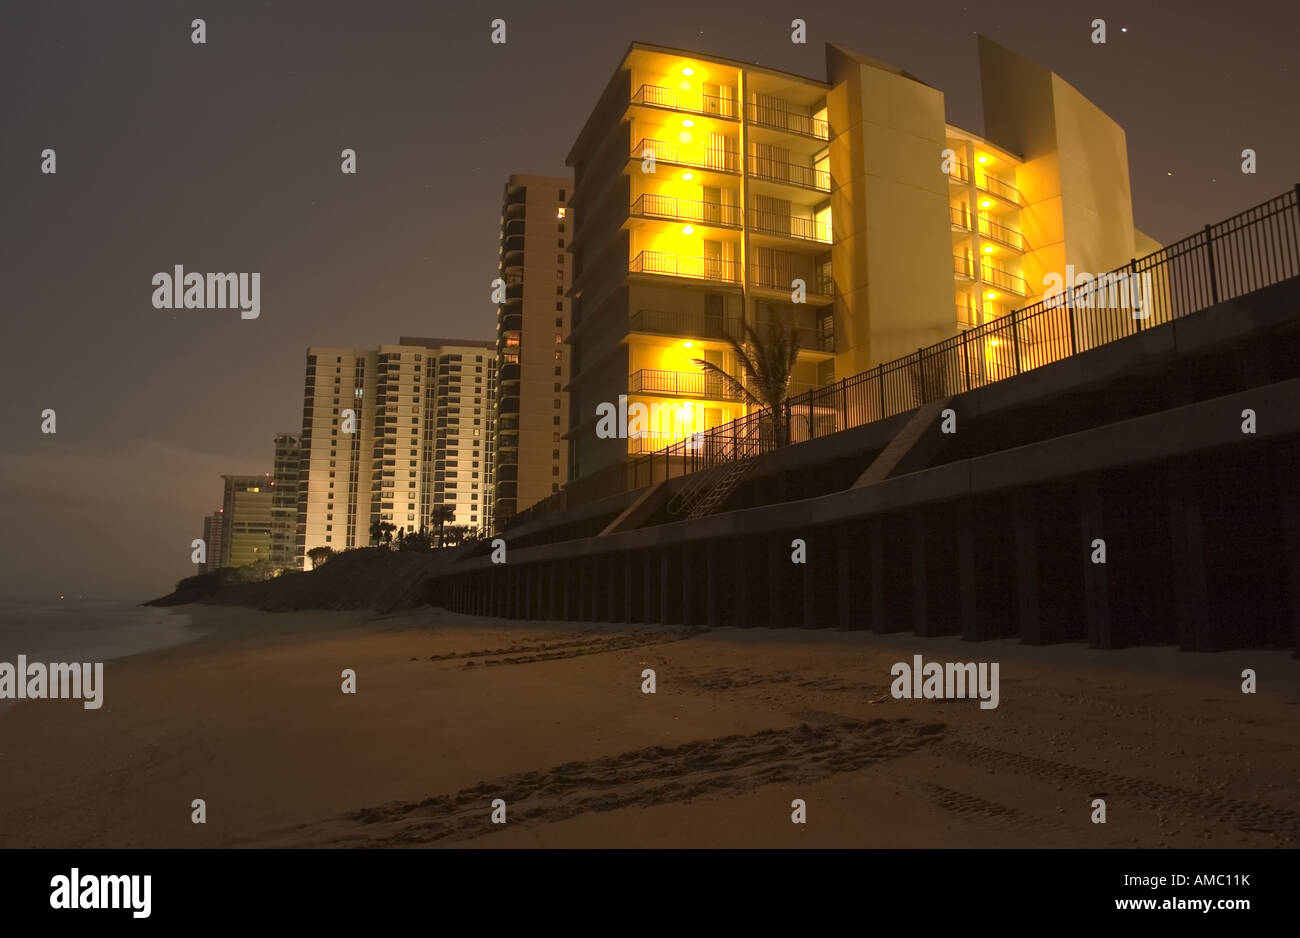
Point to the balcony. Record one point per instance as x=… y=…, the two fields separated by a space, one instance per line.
x=790 y=226
x=777 y=117
x=686 y=324
x=680 y=384
x=677 y=265
x=963 y=266
x=1004 y=279
x=960 y=174
x=669 y=208
x=1001 y=234
x=792 y=174
x=779 y=278
x=960 y=217
x=671 y=99
x=995 y=186
x=696 y=157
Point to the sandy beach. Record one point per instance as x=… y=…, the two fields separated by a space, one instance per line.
x=453 y=712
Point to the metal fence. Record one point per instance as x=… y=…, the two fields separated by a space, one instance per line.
x=1247 y=252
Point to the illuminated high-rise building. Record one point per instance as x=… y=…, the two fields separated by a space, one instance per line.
x=533 y=361
x=710 y=193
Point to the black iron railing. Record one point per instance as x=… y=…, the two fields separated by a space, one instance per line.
x=671 y=208
x=795 y=174
x=714 y=159
x=710 y=105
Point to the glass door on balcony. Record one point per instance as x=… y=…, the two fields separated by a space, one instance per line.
x=713 y=260
x=714 y=313
x=771 y=215
x=771 y=162
x=715 y=152
x=711 y=210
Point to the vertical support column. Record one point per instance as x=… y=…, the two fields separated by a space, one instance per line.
x=808 y=580
x=629 y=581
x=740 y=585
x=844 y=574
x=689 y=552
x=592 y=564
x=920 y=619
x=665 y=587
x=879 y=610
x=1284 y=462
x=713 y=584
x=1096 y=582
x=967 y=571
x=648 y=587
x=1189 y=580
x=778 y=579
x=1025 y=521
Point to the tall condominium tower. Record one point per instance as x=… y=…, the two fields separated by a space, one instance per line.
x=709 y=193
x=246 y=507
x=533 y=361
x=284 y=498
x=213 y=535
x=389 y=435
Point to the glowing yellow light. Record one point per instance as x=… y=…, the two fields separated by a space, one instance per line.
x=982 y=159
x=560 y=213
x=993 y=341
x=988 y=249
x=684 y=136
x=990 y=296
x=688 y=344
x=985 y=204
x=688 y=71
x=687 y=122
x=688 y=175
x=688 y=230
x=684 y=85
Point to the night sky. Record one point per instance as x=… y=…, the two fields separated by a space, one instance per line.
x=225 y=157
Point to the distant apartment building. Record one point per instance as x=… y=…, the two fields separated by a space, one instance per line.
x=533 y=361
x=213 y=536
x=710 y=193
x=246 y=532
x=284 y=499
x=391 y=434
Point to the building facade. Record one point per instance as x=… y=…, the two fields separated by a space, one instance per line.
x=533 y=361
x=213 y=536
x=711 y=193
x=284 y=498
x=246 y=507
x=385 y=435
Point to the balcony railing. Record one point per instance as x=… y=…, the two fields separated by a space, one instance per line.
x=959 y=216
x=702 y=326
x=791 y=121
x=790 y=226
x=963 y=266
x=677 y=265
x=699 y=157
x=779 y=278
x=688 y=324
x=680 y=384
x=1004 y=279
x=794 y=174
x=671 y=208
x=995 y=186
x=960 y=173
x=710 y=105
x=1001 y=234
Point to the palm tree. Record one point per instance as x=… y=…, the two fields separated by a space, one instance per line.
x=767 y=366
x=441 y=515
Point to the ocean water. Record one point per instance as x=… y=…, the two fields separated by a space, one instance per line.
x=83 y=630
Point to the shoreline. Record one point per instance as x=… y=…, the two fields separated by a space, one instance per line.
x=452 y=711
